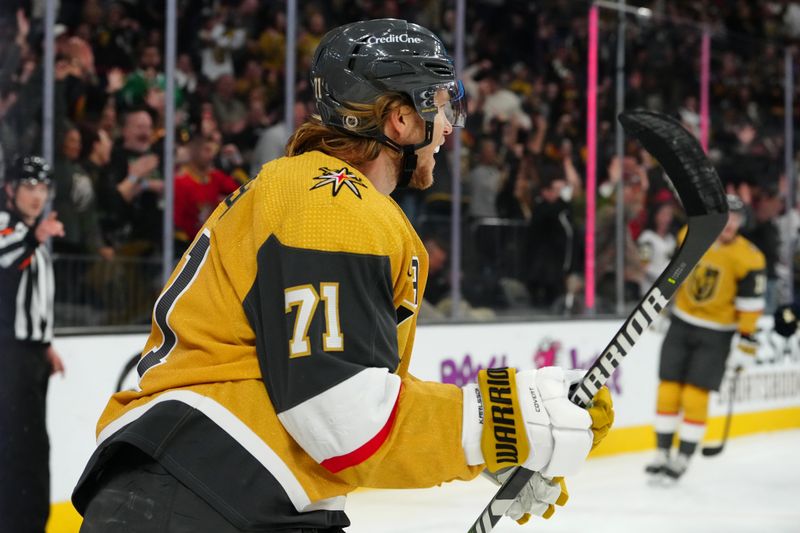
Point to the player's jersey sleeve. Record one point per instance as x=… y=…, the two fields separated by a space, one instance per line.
x=751 y=285
x=326 y=337
x=331 y=293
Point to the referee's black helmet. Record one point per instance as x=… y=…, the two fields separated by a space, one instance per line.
x=30 y=170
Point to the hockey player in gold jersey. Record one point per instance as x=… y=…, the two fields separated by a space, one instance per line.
x=275 y=380
x=722 y=298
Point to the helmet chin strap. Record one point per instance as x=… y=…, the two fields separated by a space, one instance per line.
x=408 y=163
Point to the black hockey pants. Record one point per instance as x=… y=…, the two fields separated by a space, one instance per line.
x=24 y=446
x=137 y=495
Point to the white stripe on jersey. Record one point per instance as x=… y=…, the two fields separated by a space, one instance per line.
x=49 y=294
x=686 y=317
x=20 y=230
x=8 y=258
x=34 y=319
x=6 y=241
x=37 y=306
x=21 y=314
x=749 y=304
x=245 y=436
x=346 y=416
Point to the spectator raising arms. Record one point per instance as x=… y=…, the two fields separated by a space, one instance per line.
x=220 y=37
x=550 y=241
x=134 y=170
x=149 y=74
x=634 y=188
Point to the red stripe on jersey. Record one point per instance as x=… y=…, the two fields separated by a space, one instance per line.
x=667 y=413
x=695 y=422
x=361 y=454
x=26 y=262
x=7 y=231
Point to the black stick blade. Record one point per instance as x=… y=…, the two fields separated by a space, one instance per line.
x=681 y=156
x=712 y=450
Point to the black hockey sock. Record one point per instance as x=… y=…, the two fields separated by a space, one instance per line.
x=664 y=440
x=687 y=448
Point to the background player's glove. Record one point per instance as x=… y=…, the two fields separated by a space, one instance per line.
x=602 y=412
x=785 y=320
x=744 y=352
x=539 y=496
x=526 y=419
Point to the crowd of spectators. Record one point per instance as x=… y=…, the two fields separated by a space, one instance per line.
x=524 y=164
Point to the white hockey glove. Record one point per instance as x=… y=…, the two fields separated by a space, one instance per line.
x=744 y=351
x=526 y=419
x=539 y=496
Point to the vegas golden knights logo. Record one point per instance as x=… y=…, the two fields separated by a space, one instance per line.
x=703 y=283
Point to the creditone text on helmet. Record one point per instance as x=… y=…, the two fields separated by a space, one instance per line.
x=402 y=38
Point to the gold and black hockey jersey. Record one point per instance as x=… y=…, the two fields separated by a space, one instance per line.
x=725 y=291
x=275 y=379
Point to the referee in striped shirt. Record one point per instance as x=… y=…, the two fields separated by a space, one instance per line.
x=27 y=358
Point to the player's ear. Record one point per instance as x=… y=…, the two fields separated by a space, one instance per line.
x=401 y=123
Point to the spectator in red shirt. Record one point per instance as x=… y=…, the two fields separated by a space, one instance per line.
x=199 y=187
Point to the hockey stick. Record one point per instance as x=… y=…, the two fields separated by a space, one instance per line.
x=703 y=199
x=130 y=365
x=711 y=451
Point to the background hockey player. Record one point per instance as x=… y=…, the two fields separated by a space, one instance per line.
x=27 y=359
x=275 y=380
x=723 y=297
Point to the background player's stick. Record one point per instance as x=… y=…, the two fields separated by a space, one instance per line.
x=700 y=191
x=130 y=365
x=711 y=451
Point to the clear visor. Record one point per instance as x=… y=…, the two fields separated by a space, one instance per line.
x=449 y=97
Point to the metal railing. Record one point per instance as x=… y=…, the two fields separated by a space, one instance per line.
x=496 y=266
x=93 y=292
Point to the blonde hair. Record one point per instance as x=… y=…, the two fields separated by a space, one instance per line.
x=314 y=135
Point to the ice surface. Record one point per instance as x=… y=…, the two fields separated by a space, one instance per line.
x=752 y=486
